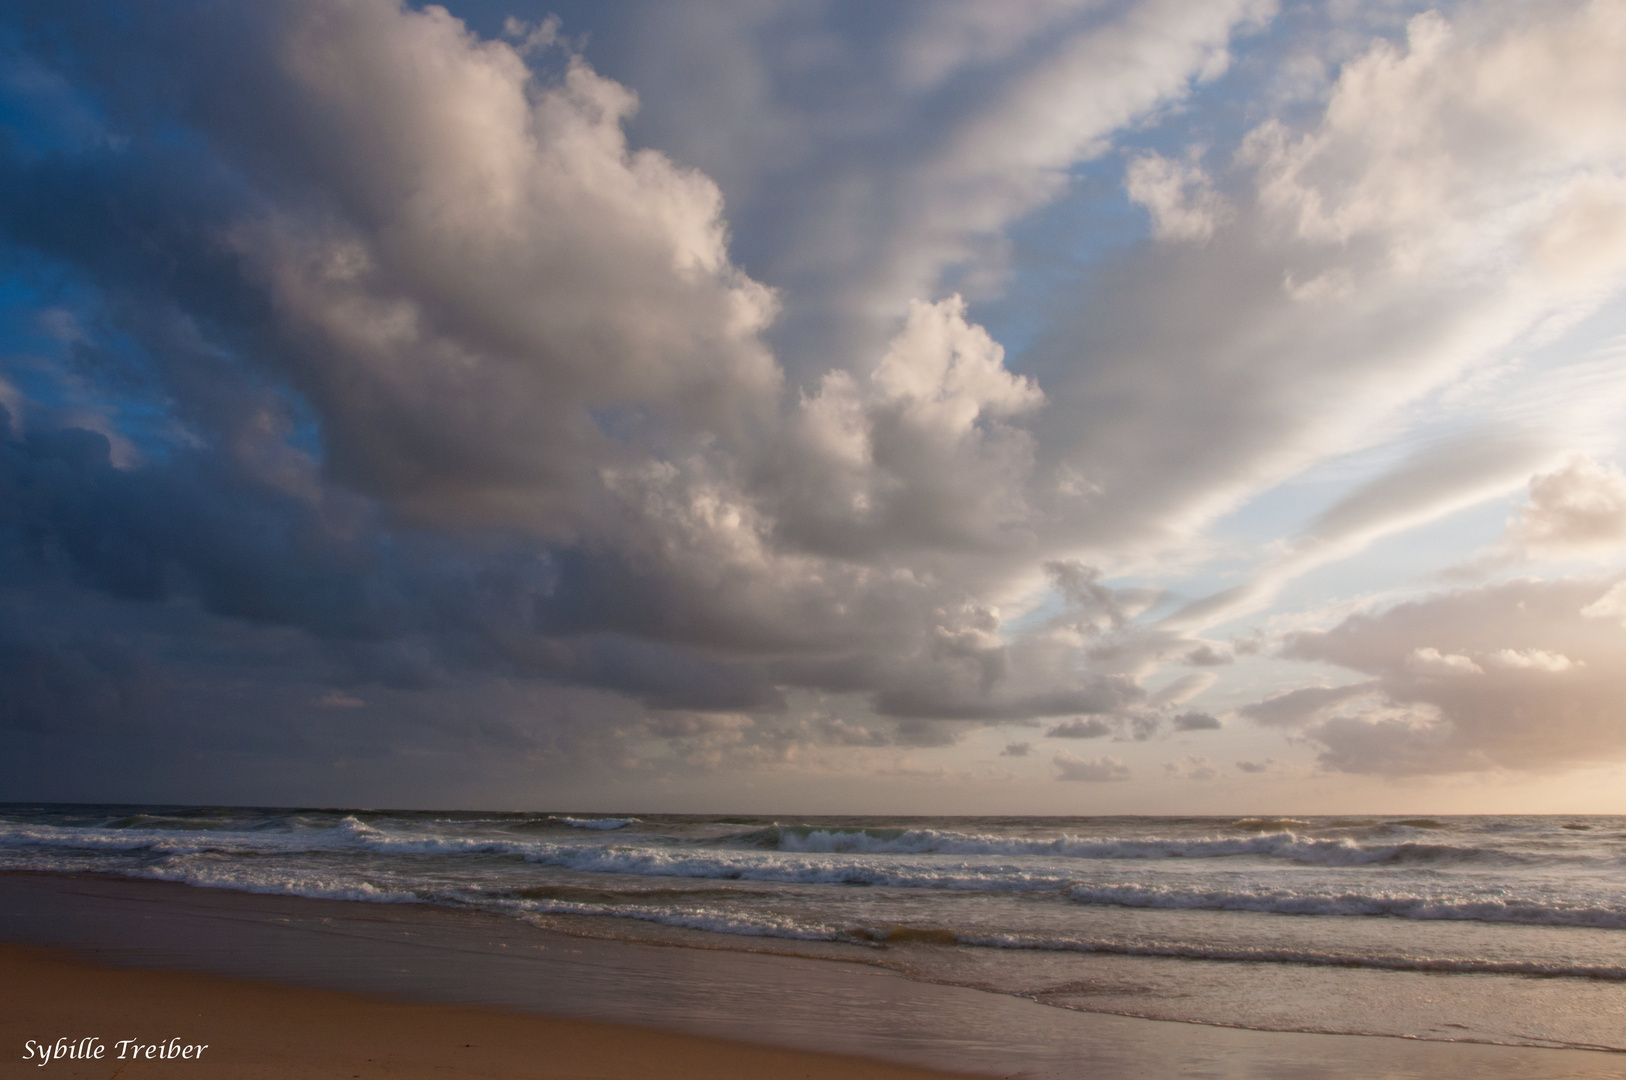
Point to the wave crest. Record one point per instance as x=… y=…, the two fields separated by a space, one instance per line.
x=596 y=823
x=1280 y=844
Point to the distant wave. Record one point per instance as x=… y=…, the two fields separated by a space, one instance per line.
x=1268 y=824
x=349 y=833
x=352 y=833
x=596 y=823
x=1279 y=845
x=791 y=869
x=130 y=841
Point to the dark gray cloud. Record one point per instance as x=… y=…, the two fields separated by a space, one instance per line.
x=1080 y=728
x=537 y=341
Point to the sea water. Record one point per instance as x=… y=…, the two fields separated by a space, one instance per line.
x=1483 y=929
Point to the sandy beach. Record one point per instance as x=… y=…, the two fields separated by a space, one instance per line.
x=256 y=1029
x=293 y=987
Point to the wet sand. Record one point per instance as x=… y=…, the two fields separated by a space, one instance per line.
x=281 y=986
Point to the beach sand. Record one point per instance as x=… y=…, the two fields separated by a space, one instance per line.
x=257 y=1029
x=280 y=986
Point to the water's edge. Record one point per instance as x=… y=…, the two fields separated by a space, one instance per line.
x=1503 y=930
x=428 y=954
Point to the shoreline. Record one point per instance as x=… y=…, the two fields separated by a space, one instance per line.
x=434 y=958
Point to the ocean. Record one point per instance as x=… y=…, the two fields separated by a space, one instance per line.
x=1505 y=929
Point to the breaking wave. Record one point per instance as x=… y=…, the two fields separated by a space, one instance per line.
x=596 y=823
x=1276 y=845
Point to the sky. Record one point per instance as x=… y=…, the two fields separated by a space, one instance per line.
x=815 y=406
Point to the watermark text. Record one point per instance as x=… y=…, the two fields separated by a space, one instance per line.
x=92 y=1048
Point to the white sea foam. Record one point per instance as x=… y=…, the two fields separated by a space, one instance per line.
x=210 y=871
x=350 y=825
x=792 y=869
x=914 y=859
x=280 y=883
x=1500 y=877
x=691 y=918
x=1279 y=845
x=596 y=823
x=348 y=834
x=154 y=841
x=207 y=870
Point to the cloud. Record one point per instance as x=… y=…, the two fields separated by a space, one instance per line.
x=972 y=119
x=1398 y=177
x=1206 y=655
x=1575 y=510
x=1080 y=728
x=1016 y=749
x=1183 y=689
x=1179 y=196
x=1429 y=484
x=1611 y=605
x=1528 y=683
x=1289 y=708
x=1430 y=661
x=1087 y=770
x=531 y=257
x=364 y=352
x=1259 y=768
x=1196 y=721
x=519 y=349
x=337 y=699
x=917 y=456
x=1397 y=258
x=1530 y=660
x=1190 y=767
